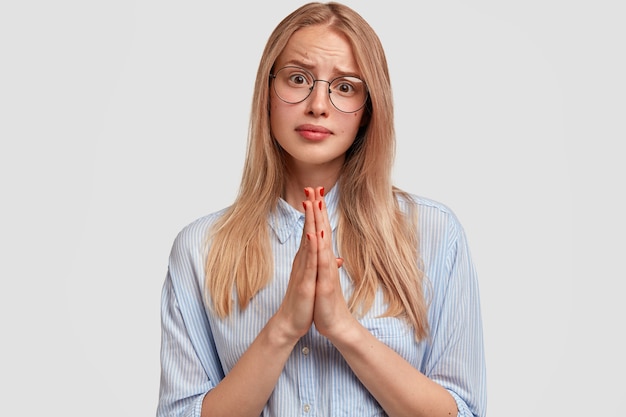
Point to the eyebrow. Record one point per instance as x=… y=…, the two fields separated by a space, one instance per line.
x=310 y=67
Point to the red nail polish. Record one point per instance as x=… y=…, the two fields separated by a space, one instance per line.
x=320 y=205
x=322 y=191
x=322 y=233
x=304 y=205
x=308 y=236
x=306 y=192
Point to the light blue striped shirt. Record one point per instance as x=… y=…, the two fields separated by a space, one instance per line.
x=198 y=349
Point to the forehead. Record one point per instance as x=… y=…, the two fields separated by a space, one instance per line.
x=318 y=47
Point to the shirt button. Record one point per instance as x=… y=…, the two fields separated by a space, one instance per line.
x=307 y=408
x=305 y=350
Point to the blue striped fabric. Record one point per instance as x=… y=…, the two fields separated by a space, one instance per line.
x=198 y=349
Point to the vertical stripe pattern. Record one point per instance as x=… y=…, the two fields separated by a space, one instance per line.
x=198 y=349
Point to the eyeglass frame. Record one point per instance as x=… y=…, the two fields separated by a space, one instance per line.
x=314 y=81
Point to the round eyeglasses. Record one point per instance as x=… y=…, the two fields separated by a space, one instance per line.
x=294 y=84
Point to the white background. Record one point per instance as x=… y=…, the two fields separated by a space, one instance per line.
x=122 y=121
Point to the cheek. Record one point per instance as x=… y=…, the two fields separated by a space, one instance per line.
x=360 y=118
x=277 y=119
x=276 y=107
x=352 y=123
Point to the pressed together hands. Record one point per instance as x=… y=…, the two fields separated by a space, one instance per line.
x=314 y=293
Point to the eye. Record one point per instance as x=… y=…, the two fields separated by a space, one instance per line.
x=344 y=88
x=299 y=78
x=347 y=86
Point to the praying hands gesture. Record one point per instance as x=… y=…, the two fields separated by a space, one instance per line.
x=314 y=293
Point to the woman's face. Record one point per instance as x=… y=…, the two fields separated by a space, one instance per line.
x=313 y=133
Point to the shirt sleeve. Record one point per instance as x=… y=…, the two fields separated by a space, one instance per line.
x=189 y=363
x=457 y=359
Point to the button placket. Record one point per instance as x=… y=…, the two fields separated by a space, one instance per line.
x=307 y=375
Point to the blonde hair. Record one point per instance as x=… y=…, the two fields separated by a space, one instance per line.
x=379 y=243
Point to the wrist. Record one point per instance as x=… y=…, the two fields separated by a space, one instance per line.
x=347 y=334
x=280 y=333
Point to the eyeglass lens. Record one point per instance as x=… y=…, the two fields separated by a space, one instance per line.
x=293 y=85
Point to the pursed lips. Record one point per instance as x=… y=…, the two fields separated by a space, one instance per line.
x=313 y=132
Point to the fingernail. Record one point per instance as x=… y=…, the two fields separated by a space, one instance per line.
x=320 y=205
x=322 y=234
x=322 y=191
x=306 y=192
x=304 y=205
x=308 y=236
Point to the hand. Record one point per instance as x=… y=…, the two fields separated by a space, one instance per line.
x=314 y=291
x=296 y=310
x=331 y=313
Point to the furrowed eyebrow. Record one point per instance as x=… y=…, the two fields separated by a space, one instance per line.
x=297 y=63
x=309 y=67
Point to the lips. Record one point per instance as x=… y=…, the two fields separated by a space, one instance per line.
x=313 y=132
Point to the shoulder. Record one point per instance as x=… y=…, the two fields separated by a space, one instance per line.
x=406 y=199
x=191 y=238
x=188 y=254
x=428 y=210
x=439 y=228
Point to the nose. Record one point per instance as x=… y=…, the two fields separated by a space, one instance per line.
x=319 y=99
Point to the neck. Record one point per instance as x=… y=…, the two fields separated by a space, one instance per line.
x=300 y=176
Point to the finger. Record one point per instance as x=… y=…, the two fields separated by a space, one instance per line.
x=305 y=263
x=322 y=223
x=319 y=193
x=310 y=193
x=321 y=202
x=339 y=262
x=321 y=226
x=309 y=222
x=323 y=231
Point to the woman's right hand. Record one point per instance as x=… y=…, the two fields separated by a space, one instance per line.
x=296 y=311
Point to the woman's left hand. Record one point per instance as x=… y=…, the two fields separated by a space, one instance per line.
x=331 y=314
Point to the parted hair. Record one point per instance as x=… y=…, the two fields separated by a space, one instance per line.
x=378 y=241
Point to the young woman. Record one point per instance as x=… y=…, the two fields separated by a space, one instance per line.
x=323 y=290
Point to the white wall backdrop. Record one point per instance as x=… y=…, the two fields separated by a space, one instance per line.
x=122 y=121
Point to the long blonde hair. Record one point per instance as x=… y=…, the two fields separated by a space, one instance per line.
x=379 y=243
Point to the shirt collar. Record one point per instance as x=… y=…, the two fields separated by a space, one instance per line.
x=284 y=220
